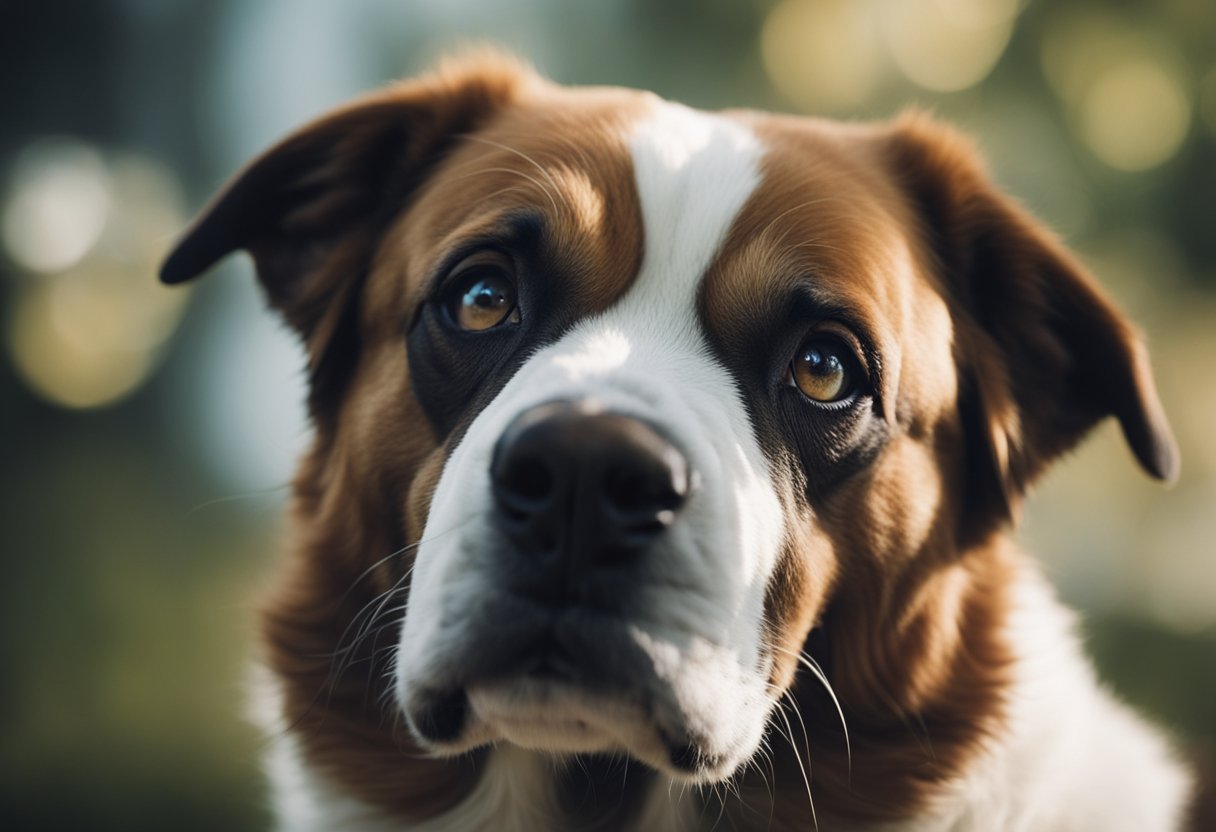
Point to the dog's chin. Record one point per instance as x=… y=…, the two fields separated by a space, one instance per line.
x=541 y=716
x=555 y=718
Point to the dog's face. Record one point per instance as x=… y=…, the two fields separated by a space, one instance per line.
x=648 y=394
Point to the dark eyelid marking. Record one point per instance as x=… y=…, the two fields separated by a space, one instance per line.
x=515 y=235
x=519 y=233
x=809 y=306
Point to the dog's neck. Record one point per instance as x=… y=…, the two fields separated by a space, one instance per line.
x=1065 y=747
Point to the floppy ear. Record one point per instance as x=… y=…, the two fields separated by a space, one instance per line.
x=1044 y=353
x=311 y=209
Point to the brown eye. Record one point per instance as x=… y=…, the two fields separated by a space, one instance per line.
x=822 y=369
x=483 y=297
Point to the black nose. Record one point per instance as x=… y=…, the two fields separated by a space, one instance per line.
x=578 y=488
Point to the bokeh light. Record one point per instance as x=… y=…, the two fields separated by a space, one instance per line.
x=88 y=329
x=148 y=450
x=1123 y=86
x=823 y=55
x=947 y=45
x=836 y=55
x=57 y=202
x=69 y=341
x=1135 y=115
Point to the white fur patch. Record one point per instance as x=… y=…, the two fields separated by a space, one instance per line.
x=1073 y=759
x=301 y=799
x=647 y=357
x=514 y=794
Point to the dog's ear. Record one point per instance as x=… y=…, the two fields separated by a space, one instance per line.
x=1044 y=353
x=310 y=209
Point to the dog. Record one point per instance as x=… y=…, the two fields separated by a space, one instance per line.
x=664 y=472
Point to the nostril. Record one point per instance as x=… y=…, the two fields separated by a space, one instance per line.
x=440 y=716
x=591 y=487
x=652 y=485
x=627 y=490
x=544 y=539
x=530 y=478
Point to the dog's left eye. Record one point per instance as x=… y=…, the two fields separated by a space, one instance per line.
x=824 y=369
x=482 y=295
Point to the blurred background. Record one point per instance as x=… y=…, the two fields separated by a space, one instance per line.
x=146 y=434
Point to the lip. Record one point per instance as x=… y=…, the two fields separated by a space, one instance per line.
x=554 y=716
x=553 y=734
x=513 y=637
x=563 y=681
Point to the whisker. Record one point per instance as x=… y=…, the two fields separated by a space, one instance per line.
x=816 y=243
x=358 y=619
x=540 y=185
x=773 y=222
x=806 y=779
x=721 y=798
x=475 y=167
x=362 y=611
x=362 y=575
x=544 y=171
x=807 y=661
x=363 y=623
x=565 y=142
x=769 y=779
x=234 y=498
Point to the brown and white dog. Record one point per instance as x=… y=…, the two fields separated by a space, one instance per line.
x=664 y=473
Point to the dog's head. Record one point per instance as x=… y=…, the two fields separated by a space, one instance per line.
x=646 y=395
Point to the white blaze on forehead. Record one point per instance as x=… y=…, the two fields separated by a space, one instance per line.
x=694 y=172
x=601 y=353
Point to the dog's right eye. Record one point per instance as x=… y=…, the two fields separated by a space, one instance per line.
x=482 y=295
x=825 y=369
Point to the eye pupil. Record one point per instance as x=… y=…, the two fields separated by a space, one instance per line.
x=821 y=372
x=482 y=300
x=485 y=296
x=816 y=361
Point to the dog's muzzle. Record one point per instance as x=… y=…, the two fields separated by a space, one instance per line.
x=602 y=597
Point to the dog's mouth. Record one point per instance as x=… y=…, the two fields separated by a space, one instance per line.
x=554 y=716
x=536 y=705
x=549 y=715
x=559 y=703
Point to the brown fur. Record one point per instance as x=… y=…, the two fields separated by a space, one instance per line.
x=913 y=637
x=999 y=353
x=360 y=497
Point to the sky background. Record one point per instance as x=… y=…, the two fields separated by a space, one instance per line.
x=147 y=434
